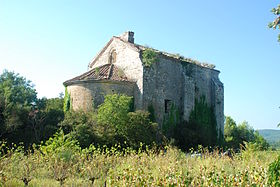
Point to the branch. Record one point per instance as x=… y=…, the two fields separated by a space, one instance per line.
x=276 y=22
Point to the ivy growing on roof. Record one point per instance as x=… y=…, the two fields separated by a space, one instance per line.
x=149 y=57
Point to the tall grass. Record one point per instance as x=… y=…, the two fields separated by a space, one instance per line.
x=126 y=167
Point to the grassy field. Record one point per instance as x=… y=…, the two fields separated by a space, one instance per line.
x=97 y=167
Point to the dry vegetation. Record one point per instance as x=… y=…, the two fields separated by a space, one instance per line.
x=63 y=163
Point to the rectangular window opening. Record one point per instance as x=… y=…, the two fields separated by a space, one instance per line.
x=167 y=105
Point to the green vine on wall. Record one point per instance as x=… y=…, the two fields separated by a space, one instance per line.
x=203 y=117
x=151 y=111
x=170 y=121
x=67 y=101
x=149 y=57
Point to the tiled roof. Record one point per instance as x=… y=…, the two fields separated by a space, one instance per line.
x=105 y=72
x=169 y=55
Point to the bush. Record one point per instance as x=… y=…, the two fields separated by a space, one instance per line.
x=113 y=117
x=149 y=56
x=274 y=173
x=80 y=126
x=115 y=123
x=61 y=153
x=140 y=129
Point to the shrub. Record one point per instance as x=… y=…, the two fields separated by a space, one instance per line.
x=61 y=153
x=140 y=129
x=112 y=117
x=149 y=57
x=80 y=125
x=274 y=173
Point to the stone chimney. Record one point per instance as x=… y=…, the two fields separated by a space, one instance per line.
x=128 y=36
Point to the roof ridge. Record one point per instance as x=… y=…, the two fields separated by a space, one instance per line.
x=178 y=57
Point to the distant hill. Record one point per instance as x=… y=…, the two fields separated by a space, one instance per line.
x=272 y=136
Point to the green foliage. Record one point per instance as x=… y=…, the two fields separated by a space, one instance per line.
x=187 y=135
x=204 y=118
x=80 y=125
x=17 y=96
x=274 y=173
x=67 y=101
x=140 y=129
x=65 y=164
x=276 y=22
x=24 y=117
x=61 y=153
x=112 y=124
x=259 y=142
x=151 y=110
x=236 y=135
x=43 y=119
x=170 y=121
x=58 y=144
x=149 y=57
x=117 y=124
x=113 y=112
x=201 y=129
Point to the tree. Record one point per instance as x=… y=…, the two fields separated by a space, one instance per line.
x=113 y=112
x=236 y=135
x=276 y=22
x=17 y=97
x=80 y=126
x=231 y=133
x=44 y=118
x=140 y=128
x=24 y=117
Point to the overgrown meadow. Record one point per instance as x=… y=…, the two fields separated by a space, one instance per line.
x=61 y=162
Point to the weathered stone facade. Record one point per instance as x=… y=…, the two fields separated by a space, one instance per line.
x=169 y=80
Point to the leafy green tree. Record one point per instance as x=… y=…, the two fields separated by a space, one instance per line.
x=260 y=142
x=231 y=133
x=44 y=118
x=276 y=22
x=140 y=128
x=245 y=132
x=236 y=135
x=113 y=112
x=17 y=98
x=24 y=117
x=81 y=126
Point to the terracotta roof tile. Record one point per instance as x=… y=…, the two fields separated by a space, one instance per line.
x=105 y=72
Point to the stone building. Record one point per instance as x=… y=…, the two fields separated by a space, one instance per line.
x=169 y=80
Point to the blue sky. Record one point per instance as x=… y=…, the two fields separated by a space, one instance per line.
x=51 y=41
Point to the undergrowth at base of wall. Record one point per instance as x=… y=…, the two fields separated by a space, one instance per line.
x=67 y=101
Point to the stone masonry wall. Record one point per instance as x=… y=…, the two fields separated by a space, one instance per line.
x=128 y=59
x=170 y=80
x=163 y=84
x=89 y=95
